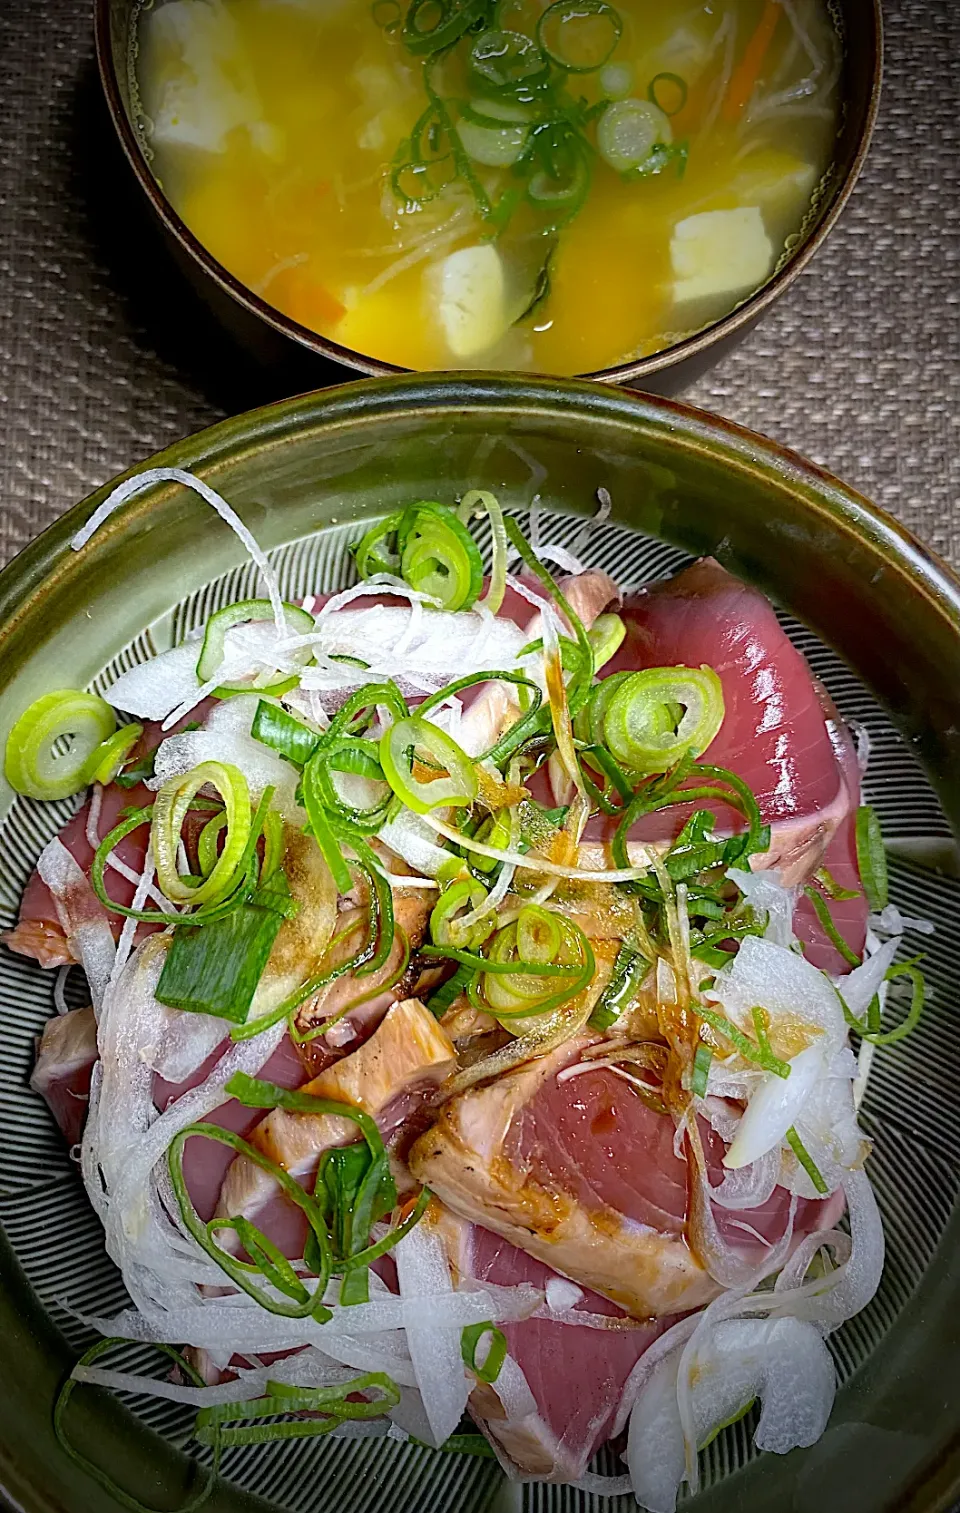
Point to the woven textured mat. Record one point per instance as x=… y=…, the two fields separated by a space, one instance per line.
x=105 y=356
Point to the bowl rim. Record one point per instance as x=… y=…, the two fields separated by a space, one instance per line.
x=429 y=393
x=25 y=581
x=737 y=321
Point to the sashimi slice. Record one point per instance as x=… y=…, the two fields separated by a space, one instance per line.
x=582 y=1173
x=575 y=1373
x=775 y=734
x=65 y=1058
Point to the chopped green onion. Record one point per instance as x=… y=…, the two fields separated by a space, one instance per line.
x=415 y=741
x=116 y=1493
x=606 y=637
x=56 y=742
x=441 y=998
x=461 y=897
x=640 y=722
x=111 y=754
x=629 y=971
x=822 y=910
x=323 y=830
x=450 y=20
x=169 y=812
x=274 y=1267
x=279 y=730
x=439 y=556
x=372 y=555
x=348 y=754
x=504 y=60
x=489 y=1369
x=759 y=1054
x=298 y=622
x=329 y=1407
x=701 y=1071
x=215 y=969
x=579 y=36
x=510 y=988
x=825 y=879
x=630 y=132
x=579 y=686
x=806 y=1161
x=468 y=1444
x=141 y=770
x=871 y=858
x=668 y=92
x=871 y=1029
x=358 y=712
x=472 y=502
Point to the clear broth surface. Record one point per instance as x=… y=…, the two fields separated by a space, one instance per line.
x=276 y=128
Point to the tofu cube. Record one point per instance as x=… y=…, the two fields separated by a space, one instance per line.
x=720 y=252
x=472 y=300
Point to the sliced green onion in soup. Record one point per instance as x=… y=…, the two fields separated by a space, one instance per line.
x=579 y=35
x=629 y=130
x=507 y=61
x=494 y=146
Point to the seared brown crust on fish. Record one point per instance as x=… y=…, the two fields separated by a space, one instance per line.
x=461 y=1158
x=409 y=1051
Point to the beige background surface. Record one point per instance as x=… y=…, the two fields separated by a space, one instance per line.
x=105 y=357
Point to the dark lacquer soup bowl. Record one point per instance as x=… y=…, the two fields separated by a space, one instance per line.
x=878 y=618
x=274 y=336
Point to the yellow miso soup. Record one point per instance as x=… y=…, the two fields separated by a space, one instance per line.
x=493 y=183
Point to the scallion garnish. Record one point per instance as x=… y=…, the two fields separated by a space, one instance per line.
x=206 y=1478
x=871 y=858
x=822 y=910
x=629 y=971
x=758 y=1052
x=490 y=1367
x=276 y=728
x=58 y=743
x=215 y=968
x=806 y=1161
x=703 y=1056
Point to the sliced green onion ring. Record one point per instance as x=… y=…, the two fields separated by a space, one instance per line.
x=76 y=722
x=640 y=722
x=439 y=557
x=274 y=727
x=579 y=36
x=413 y=739
x=371 y=552
x=431 y=25
x=169 y=812
x=506 y=61
x=246 y=611
x=460 y=898
x=111 y=754
x=474 y=502
x=668 y=90
x=606 y=637
x=628 y=131
x=496 y=1354
x=349 y=755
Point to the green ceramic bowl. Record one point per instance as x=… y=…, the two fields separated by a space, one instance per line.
x=880 y=622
